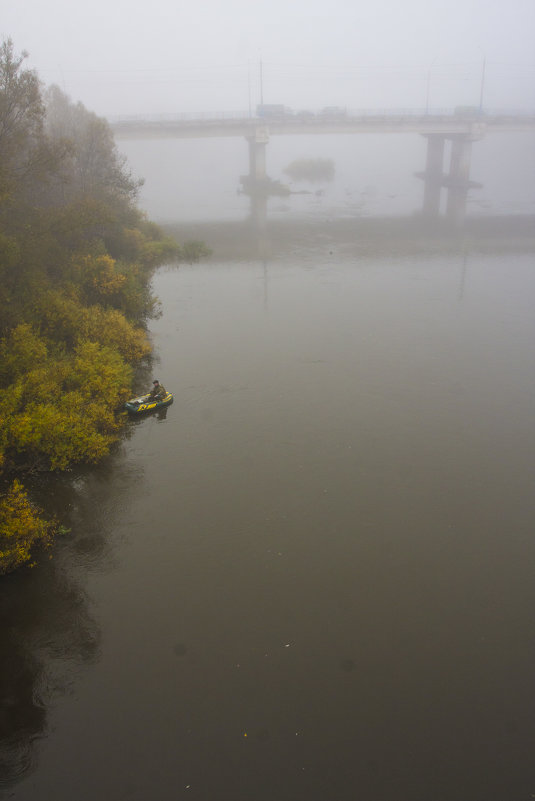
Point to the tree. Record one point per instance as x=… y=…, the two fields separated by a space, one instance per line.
x=76 y=256
x=21 y=108
x=26 y=157
x=95 y=167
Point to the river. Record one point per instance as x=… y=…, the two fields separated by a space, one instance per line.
x=311 y=577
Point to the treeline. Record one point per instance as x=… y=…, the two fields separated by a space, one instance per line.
x=76 y=256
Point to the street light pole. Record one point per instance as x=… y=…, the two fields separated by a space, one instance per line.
x=482 y=85
x=249 y=87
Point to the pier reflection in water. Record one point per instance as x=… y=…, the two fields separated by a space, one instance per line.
x=313 y=577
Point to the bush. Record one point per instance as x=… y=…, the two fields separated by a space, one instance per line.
x=22 y=530
x=193 y=250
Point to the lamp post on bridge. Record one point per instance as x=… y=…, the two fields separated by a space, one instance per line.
x=482 y=86
x=249 y=88
x=428 y=86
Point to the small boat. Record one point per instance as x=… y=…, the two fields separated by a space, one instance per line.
x=145 y=404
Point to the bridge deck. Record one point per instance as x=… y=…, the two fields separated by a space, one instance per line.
x=447 y=125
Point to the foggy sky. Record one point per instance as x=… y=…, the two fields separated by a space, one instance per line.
x=133 y=56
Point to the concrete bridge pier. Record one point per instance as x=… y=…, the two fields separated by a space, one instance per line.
x=458 y=180
x=257 y=155
x=432 y=175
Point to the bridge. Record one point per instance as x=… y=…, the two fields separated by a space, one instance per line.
x=461 y=126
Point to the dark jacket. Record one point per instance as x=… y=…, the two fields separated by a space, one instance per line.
x=158 y=392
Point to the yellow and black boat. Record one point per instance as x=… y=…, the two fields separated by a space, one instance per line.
x=146 y=404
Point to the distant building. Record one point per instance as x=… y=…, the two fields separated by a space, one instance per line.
x=272 y=111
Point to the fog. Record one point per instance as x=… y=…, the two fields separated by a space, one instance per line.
x=199 y=180
x=311 y=577
x=127 y=56
x=124 y=58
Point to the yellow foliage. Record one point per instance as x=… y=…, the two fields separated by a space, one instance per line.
x=22 y=351
x=64 y=434
x=99 y=276
x=110 y=328
x=44 y=384
x=21 y=529
x=65 y=319
x=99 y=373
x=64 y=412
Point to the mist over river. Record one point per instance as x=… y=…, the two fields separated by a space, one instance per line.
x=311 y=577
x=374 y=176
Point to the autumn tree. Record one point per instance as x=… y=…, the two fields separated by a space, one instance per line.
x=21 y=119
x=95 y=167
x=76 y=258
x=27 y=157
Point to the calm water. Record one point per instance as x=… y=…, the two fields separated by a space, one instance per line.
x=312 y=576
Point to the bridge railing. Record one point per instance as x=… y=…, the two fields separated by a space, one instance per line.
x=324 y=116
x=305 y=115
x=179 y=116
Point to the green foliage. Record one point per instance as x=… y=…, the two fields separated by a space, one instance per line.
x=193 y=251
x=22 y=530
x=159 y=251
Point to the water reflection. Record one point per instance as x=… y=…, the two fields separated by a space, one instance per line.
x=48 y=631
x=264 y=237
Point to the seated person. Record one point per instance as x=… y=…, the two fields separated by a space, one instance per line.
x=158 y=391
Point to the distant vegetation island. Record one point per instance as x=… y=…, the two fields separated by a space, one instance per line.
x=76 y=260
x=311 y=170
x=263 y=188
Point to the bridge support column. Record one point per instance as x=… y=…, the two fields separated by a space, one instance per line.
x=458 y=180
x=433 y=175
x=257 y=155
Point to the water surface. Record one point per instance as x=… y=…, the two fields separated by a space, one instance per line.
x=312 y=576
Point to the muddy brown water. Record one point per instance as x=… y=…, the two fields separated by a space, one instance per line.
x=312 y=576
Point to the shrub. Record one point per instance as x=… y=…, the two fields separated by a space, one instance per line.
x=22 y=530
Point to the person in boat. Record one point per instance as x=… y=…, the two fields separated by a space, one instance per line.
x=158 y=391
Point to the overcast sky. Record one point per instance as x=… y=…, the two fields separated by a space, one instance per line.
x=133 y=56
